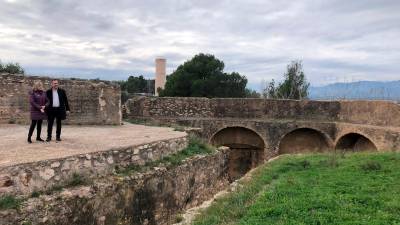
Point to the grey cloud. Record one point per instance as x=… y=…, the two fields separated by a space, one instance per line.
x=335 y=38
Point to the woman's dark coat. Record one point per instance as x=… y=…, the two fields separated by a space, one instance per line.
x=37 y=99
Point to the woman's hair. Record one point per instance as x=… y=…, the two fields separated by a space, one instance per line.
x=38 y=85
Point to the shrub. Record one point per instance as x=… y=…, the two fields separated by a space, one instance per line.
x=371 y=166
x=9 y=202
x=76 y=180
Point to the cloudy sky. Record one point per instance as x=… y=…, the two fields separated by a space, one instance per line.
x=337 y=40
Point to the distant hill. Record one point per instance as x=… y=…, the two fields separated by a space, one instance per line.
x=373 y=90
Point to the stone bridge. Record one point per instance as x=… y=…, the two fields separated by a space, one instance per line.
x=260 y=128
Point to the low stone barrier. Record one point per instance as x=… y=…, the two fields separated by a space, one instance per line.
x=23 y=179
x=152 y=197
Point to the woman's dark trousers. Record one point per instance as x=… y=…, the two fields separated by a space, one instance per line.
x=38 y=129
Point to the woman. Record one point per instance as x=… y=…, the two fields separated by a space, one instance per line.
x=38 y=102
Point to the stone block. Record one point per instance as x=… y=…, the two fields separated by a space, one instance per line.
x=55 y=165
x=47 y=173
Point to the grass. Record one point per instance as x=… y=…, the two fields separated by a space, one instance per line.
x=195 y=147
x=358 y=188
x=76 y=180
x=9 y=202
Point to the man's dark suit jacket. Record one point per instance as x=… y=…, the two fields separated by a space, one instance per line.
x=64 y=106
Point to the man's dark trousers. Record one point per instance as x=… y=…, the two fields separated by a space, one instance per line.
x=54 y=113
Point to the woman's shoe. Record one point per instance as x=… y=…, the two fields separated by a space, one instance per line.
x=39 y=139
x=29 y=140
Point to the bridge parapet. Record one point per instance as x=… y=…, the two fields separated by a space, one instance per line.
x=377 y=113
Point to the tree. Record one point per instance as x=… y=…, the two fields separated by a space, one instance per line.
x=13 y=68
x=137 y=85
x=294 y=86
x=203 y=76
x=252 y=93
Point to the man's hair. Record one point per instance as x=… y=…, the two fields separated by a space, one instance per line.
x=54 y=79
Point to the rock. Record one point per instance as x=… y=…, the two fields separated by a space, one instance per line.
x=101 y=220
x=46 y=174
x=66 y=166
x=25 y=177
x=110 y=160
x=87 y=163
x=55 y=165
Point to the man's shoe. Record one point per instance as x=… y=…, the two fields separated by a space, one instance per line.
x=29 y=140
x=58 y=139
x=48 y=139
x=39 y=139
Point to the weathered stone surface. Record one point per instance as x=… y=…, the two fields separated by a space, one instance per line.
x=152 y=197
x=91 y=102
x=24 y=178
x=46 y=173
x=356 y=112
x=55 y=165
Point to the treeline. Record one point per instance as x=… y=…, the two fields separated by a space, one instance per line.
x=13 y=68
x=204 y=76
x=136 y=86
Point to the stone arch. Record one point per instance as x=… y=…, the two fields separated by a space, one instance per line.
x=247 y=149
x=304 y=140
x=355 y=142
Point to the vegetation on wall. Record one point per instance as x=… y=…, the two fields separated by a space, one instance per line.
x=13 y=68
x=204 y=76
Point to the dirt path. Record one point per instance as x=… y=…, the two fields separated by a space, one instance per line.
x=14 y=148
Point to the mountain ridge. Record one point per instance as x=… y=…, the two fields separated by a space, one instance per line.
x=372 y=90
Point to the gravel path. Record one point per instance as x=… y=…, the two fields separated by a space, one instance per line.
x=14 y=148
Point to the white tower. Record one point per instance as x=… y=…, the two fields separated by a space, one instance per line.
x=160 y=74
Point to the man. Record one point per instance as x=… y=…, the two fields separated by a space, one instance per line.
x=58 y=109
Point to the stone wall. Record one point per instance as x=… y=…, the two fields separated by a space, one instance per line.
x=153 y=197
x=91 y=102
x=273 y=120
x=25 y=178
x=380 y=113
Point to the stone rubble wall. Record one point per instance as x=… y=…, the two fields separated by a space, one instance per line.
x=25 y=178
x=359 y=112
x=153 y=197
x=91 y=102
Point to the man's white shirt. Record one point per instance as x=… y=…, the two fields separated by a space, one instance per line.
x=56 y=99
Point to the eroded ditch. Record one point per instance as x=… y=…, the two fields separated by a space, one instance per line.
x=154 y=196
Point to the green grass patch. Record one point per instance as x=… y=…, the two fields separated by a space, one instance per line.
x=76 y=180
x=9 y=202
x=357 y=188
x=196 y=146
